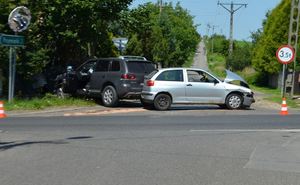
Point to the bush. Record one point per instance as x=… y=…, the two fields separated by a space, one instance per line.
x=240 y=58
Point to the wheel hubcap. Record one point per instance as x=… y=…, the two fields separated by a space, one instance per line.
x=163 y=102
x=108 y=96
x=234 y=102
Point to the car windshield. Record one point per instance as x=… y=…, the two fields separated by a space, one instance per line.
x=140 y=67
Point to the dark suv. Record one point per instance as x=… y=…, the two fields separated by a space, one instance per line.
x=110 y=79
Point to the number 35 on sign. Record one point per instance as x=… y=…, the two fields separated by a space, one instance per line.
x=285 y=54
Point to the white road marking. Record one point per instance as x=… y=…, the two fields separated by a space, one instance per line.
x=248 y=130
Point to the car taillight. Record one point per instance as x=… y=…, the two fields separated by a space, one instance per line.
x=150 y=83
x=128 y=76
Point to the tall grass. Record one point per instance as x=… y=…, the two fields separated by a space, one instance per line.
x=47 y=101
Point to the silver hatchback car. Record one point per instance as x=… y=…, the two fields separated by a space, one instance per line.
x=192 y=86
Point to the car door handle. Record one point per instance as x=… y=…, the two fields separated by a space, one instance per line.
x=189 y=85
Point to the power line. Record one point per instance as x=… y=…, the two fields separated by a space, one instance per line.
x=234 y=7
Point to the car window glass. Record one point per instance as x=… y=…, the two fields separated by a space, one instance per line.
x=200 y=76
x=149 y=76
x=115 y=66
x=173 y=75
x=140 y=67
x=102 y=66
x=88 y=67
x=149 y=67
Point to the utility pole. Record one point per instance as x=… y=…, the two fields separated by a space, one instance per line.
x=208 y=30
x=160 y=6
x=293 y=39
x=212 y=38
x=231 y=10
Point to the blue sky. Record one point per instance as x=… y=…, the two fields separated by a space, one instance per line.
x=246 y=20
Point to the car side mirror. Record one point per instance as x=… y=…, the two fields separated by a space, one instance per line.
x=216 y=81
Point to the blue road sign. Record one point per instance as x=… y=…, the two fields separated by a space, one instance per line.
x=11 y=40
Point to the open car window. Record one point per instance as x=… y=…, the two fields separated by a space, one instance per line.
x=199 y=76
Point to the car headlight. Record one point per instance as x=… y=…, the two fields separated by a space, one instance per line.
x=249 y=94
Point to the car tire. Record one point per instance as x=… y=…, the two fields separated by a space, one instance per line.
x=109 y=96
x=162 y=102
x=234 y=101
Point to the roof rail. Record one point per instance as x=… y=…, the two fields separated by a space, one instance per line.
x=132 y=57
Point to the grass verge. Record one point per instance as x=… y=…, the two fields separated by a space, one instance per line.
x=47 y=101
x=216 y=63
x=274 y=95
x=189 y=61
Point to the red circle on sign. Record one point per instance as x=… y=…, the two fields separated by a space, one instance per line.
x=293 y=54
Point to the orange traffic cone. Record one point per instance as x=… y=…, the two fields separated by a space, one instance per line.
x=284 y=110
x=2 y=114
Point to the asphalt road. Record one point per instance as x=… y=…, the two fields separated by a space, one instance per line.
x=200 y=58
x=183 y=146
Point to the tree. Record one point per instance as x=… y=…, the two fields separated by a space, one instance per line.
x=275 y=33
x=220 y=44
x=168 y=37
x=241 y=56
x=62 y=33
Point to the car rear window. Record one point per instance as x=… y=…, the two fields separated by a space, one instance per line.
x=140 y=67
x=149 y=76
x=171 y=75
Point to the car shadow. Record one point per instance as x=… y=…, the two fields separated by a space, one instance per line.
x=187 y=107
x=176 y=107
x=13 y=144
x=25 y=143
x=203 y=107
x=129 y=104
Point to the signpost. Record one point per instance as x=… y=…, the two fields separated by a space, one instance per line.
x=120 y=43
x=285 y=55
x=18 y=21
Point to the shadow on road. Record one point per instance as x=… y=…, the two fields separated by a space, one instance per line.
x=201 y=107
x=13 y=144
x=130 y=104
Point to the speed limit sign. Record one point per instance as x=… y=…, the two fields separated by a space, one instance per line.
x=285 y=54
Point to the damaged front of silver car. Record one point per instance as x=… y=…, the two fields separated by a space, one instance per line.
x=235 y=82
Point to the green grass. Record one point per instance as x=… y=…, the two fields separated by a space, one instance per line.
x=266 y=90
x=189 y=61
x=275 y=96
x=216 y=63
x=46 y=102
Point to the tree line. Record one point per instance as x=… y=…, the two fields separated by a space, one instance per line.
x=259 y=53
x=71 y=31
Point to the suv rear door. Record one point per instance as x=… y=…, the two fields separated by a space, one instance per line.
x=139 y=69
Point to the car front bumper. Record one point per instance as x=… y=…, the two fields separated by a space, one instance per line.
x=248 y=100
